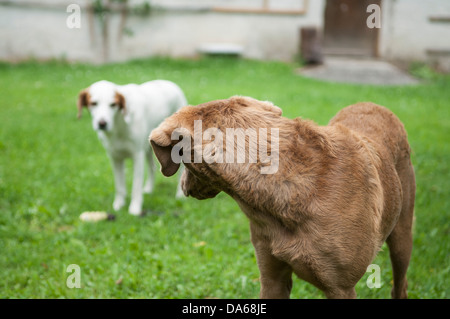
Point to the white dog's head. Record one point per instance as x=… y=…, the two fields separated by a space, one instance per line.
x=103 y=102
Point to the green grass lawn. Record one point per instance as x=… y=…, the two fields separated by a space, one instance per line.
x=52 y=168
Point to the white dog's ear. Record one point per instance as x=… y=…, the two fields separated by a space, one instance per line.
x=162 y=146
x=120 y=100
x=83 y=101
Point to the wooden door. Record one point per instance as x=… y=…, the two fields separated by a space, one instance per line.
x=346 y=31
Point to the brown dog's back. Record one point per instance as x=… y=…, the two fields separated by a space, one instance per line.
x=378 y=124
x=381 y=126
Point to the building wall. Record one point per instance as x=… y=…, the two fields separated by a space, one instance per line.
x=38 y=29
x=407 y=32
x=177 y=33
x=40 y=32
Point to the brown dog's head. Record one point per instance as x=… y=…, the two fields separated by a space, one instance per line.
x=176 y=140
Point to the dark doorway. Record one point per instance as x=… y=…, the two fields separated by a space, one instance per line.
x=346 y=31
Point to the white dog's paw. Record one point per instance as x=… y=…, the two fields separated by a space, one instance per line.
x=118 y=203
x=135 y=210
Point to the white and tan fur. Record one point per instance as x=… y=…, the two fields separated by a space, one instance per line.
x=123 y=116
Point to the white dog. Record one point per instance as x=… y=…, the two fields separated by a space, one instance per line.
x=124 y=116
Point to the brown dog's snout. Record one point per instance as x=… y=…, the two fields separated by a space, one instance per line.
x=197 y=188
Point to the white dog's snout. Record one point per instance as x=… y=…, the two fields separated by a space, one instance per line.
x=102 y=125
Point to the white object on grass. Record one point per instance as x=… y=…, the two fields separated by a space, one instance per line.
x=96 y=216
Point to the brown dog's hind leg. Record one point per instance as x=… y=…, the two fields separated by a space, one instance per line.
x=400 y=240
x=400 y=247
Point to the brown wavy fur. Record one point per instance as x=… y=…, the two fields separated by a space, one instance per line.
x=340 y=191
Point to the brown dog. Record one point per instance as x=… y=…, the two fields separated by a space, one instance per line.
x=336 y=194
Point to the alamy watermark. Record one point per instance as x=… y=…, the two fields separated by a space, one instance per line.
x=73 y=21
x=374 y=19
x=374 y=279
x=74 y=279
x=241 y=146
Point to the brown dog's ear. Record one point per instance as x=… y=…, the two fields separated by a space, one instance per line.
x=249 y=101
x=83 y=101
x=269 y=106
x=120 y=100
x=162 y=146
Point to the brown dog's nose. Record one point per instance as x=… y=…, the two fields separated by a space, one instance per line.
x=102 y=124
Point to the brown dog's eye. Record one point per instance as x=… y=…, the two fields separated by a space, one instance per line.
x=113 y=105
x=93 y=103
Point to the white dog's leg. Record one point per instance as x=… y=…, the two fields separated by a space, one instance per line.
x=148 y=188
x=180 y=193
x=119 y=182
x=138 y=183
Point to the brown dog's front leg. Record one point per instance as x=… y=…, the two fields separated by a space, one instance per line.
x=275 y=275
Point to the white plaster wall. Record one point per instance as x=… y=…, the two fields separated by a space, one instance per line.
x=406 y=32
x=182 y=33
x=42 y=33
x=39 y=31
